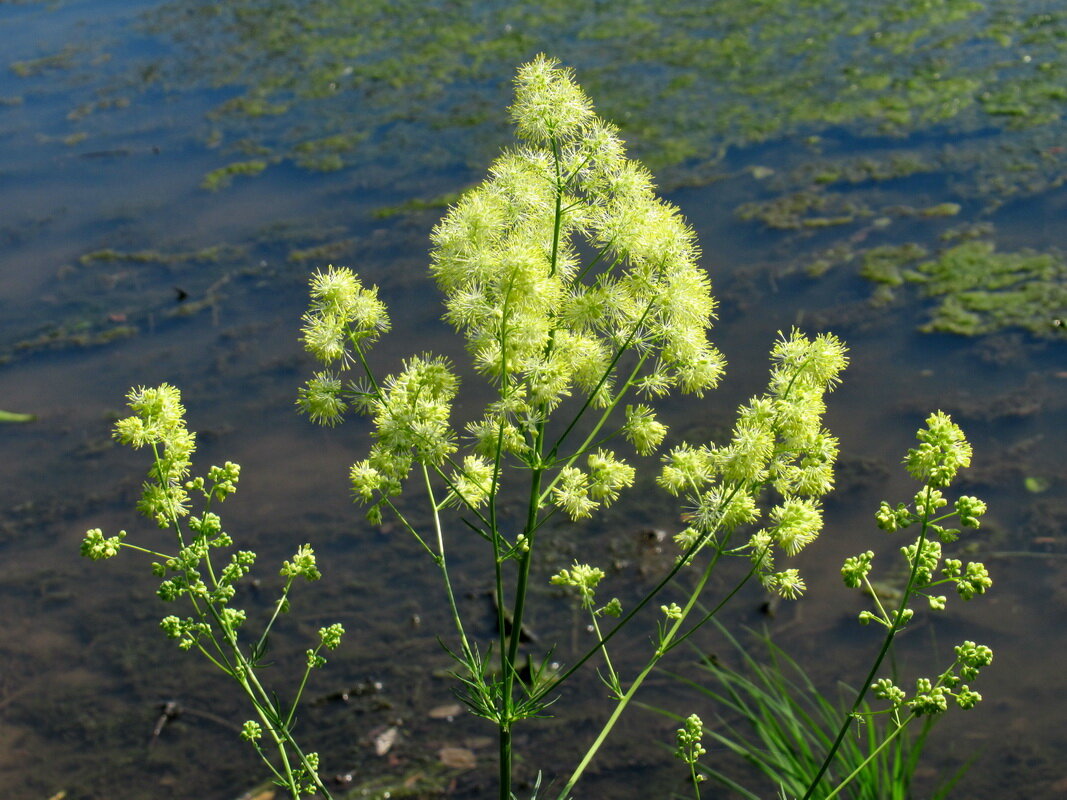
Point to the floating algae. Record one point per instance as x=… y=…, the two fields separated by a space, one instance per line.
x=982 y=291
x=685 y=79
x=101 y=298
x=809 y=209
x=976 y=290
x=62 y=60
x=883 y=265
x=223 y=177
x=396 y=88
x=13 y=416
x=416 y=204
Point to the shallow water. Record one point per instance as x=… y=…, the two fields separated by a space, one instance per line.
x=119 y=268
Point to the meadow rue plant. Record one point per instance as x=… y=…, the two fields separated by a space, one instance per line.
x=578 y=293
x=581 y=301
x=943 y=450
x=195 y=568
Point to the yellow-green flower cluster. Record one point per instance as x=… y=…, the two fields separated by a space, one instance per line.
x=582 y=578
x=778 y=441
x=507 y=258
x=159 y=421
x=471 y=485
x=411 y=425
x=343 y=319
x=322 y=398
x=579 y=493
x=643 y=430
x=342 y=313
x=942 y=451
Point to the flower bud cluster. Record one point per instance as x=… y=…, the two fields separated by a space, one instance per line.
x=943 y=450
x=223 y=481
x=187 y=631
x=213 y=626
x=690 y=748
x=306 y=777
x=856 y=568
x=582 y=578
x=932 y=696
x=251 y=731
x=672 y=611
x=303 y=565
x=96 y=547
x=330 y=636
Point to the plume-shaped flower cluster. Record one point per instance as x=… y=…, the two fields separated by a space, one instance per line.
x=509 y=258
x=568 y=276
x=159 y=421
x=778 y=441
x=411 y=425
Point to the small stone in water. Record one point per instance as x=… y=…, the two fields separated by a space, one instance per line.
x=385 y=740
x=457 y=757
x=445 y=712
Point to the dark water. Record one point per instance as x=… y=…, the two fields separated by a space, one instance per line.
x=794 y=148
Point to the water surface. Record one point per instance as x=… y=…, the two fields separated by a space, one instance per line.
x=171 y=172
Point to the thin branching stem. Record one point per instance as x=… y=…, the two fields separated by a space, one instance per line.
x=887 y=642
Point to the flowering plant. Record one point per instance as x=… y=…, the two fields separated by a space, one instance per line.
x=579 y=295
x=214 y=627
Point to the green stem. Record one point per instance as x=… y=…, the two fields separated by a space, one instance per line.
x=681 y=562
x=558 y=222
x=615 y=685
x=277 y=734
x=277 y=610
x=505 y=761
x=410 y=528
x=164 y=556
x=661 y=649
x=870 y=758
x=299 y=692
x=442 y=562
x=522 y=585
x=707 y=617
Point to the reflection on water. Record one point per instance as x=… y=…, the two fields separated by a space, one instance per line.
x=841 y=161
